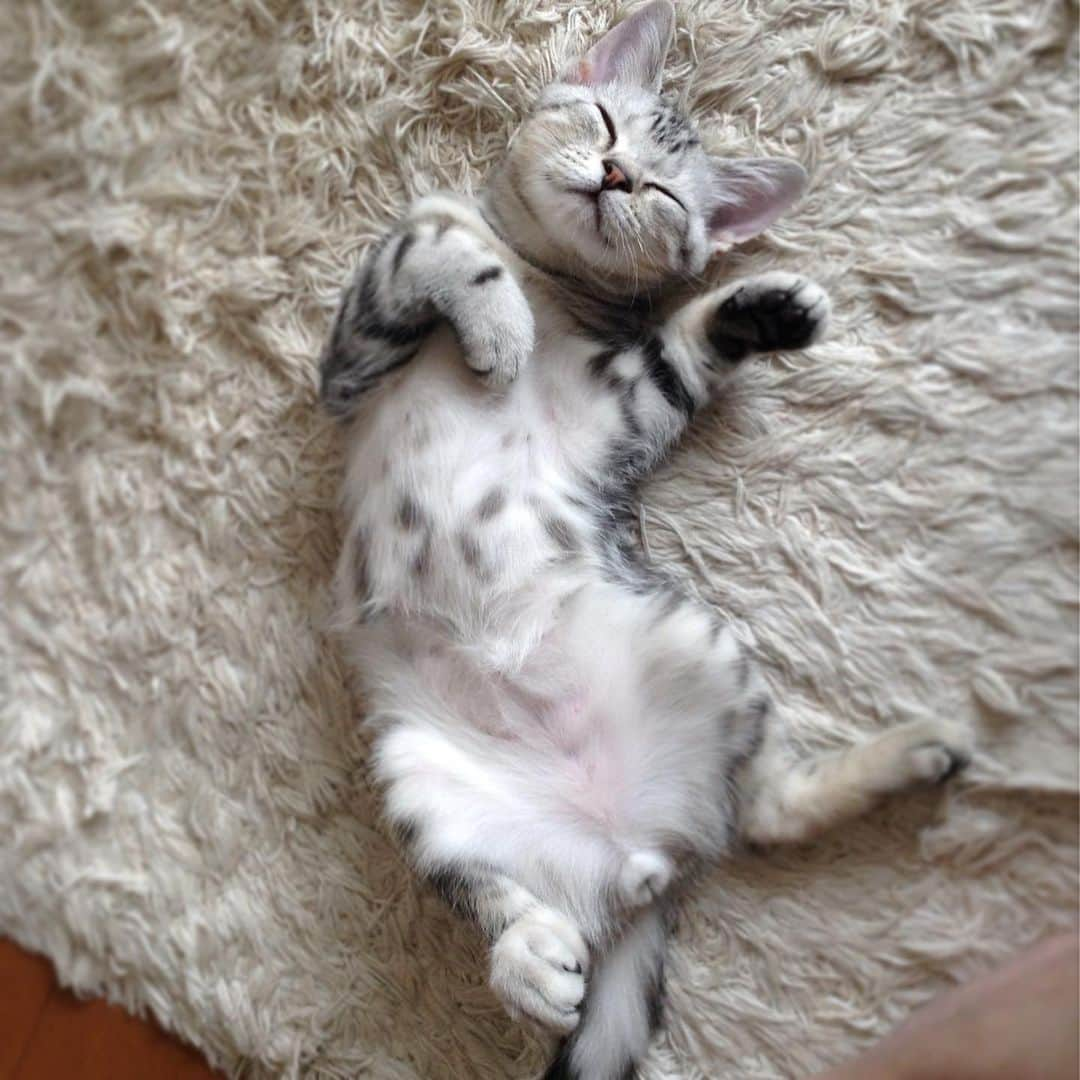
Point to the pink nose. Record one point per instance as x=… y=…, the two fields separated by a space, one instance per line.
x=614 y=178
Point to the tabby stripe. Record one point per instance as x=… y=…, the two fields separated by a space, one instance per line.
x=407 y=242
x=599 y=364
x=370 y=377
x=370 y=322
x=554 y=106
x=490 y=274
x=666 y=379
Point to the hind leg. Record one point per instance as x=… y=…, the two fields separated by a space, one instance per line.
x=784 y=800
x=458 y=821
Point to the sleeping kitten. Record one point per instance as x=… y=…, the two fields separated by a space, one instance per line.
x=561 y=733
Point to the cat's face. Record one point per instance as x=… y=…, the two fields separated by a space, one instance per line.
x=616 y=175
x=608 y=178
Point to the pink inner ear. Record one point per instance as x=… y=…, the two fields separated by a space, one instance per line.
x=750 y=195
x=632 y=51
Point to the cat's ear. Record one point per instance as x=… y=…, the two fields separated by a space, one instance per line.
x=748 y=195
x=631 y=52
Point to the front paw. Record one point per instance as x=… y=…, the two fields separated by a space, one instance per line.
x=769 y=313
x=538 y=967
x=499 y=335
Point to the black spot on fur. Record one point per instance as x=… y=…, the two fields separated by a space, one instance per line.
x=421 y=563
x=410 y=515
x=470 y=551
x=491 y=504
x=486 y=275
x=560 y=531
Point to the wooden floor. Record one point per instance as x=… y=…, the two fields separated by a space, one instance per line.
x=48 y=1034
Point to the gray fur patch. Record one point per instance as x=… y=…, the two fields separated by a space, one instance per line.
x=471 y=553
x=421 y=436
x=410 y=515
x=491 y=504
x=560 y=530
x=421 y=563
x=742 y=670
x=443 y=224
x=672 y=601
x=361 y=569
x=404 y=244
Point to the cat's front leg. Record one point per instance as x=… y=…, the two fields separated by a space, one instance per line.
x=437 y=264
x=771 y=312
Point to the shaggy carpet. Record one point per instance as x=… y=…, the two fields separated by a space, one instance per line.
x=185 y=820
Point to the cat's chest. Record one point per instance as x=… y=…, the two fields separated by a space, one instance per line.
x=461 y=491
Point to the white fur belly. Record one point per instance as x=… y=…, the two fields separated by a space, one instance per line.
x=542 y=725
x=458 y=496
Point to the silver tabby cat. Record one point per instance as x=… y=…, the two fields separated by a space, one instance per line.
x=560 y=732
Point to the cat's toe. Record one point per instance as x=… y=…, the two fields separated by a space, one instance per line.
x=936 y=762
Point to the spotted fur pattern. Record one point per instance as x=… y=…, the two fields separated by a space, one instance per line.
x=561 y=732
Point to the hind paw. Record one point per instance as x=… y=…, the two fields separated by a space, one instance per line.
x=920 y=753
x=538 y=968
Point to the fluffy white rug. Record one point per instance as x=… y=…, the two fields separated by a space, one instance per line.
x=185 y=822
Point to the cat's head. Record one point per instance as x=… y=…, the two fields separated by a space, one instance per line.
x=608 y=179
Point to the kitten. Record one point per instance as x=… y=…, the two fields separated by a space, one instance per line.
x=560 y=732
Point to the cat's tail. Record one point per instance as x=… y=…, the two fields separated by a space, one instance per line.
x=622 y=1007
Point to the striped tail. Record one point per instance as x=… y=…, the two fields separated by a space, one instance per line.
x=622 y=1007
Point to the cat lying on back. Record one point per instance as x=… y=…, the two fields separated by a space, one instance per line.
x=560 y=731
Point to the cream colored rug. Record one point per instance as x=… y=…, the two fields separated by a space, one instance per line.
x=185 y=822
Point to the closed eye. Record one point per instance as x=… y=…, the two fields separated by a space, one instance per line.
x=608 y=123
x=664 y=191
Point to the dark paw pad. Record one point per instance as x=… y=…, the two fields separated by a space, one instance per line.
x=769 y=316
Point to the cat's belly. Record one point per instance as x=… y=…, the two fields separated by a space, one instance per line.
x=571 y=729
x=554 y=733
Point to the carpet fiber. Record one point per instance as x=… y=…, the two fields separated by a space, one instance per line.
x=185 y=819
